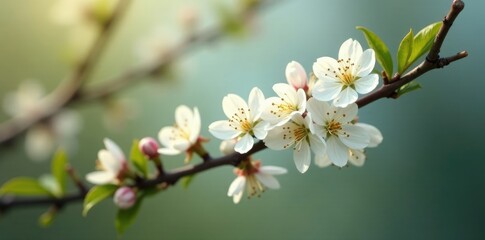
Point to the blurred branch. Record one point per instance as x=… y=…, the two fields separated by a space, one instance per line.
x=431 y=62
x=69 y=88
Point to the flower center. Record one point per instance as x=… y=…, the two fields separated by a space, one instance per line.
x=254 y=187
x=240 y=122
x=333 y=127
x=345 y=72
x=284 y=107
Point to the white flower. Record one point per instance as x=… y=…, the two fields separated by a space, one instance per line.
x=335 y=125
x=355 y=156
x=299 y=134
x=296 y=75
x=255 y=178
x=340 y=80
x=183 y=135
x=244 y=120
x=279 y=110
x=112 y=163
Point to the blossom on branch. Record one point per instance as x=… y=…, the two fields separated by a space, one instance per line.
x=183 y=135
x=112 y=164
x=356 y=157
x=298 y=133
x=335 y=125
x=255 y=178
x=244 y=121
x=296 y=75
x=279 y=110
x=340 y=80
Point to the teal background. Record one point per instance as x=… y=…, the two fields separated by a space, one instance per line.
x=425 y=181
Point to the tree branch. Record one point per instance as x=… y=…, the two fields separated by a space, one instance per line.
x=234 y=159
x=432 y=60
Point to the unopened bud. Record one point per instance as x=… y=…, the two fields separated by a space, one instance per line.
x=149 y=147
x=296 y=75
x=227 y=146
x=125 y=197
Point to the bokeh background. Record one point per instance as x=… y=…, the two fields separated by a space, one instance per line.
x=425 y=181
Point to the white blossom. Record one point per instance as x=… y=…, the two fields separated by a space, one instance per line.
x=298 y=133
x=180 y=137
x=279 y=110
x=335 y=125
x=296 y=75
x=340 y=80
x=112 y=164
x=244 y=121
x=255 y=179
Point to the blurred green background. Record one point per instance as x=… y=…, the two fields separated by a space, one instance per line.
x=425 y=181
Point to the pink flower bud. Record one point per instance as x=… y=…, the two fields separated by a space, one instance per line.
x=296 y=75
x=125 y=197
x=149 y=147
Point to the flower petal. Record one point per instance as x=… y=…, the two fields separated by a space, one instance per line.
x=325 y=67
x=100 y=177
x=322 y=161
x=222 y=130
x=273 y=170
x=183 y=115
x=366 y=84
x=374 y=133
x=166 y=135
x=354 y=137
x=168 y=151
x=268 y=180
x=347 y=114
x=296 y=75
x=346 y=97
x=195 y=126
x=366 y=63
x=302 y=157
x=337 y=152
x=231 y=105
x=256 y=103
x=350 y=49
x=114 y=149
x=236 y=198
x=326 y=89
x=357 y=157
x=236 y=186
x=109 y=162
x=276 y=139
x=244 y=144
x=317 y=145
x=261 y=130
x=286 y=91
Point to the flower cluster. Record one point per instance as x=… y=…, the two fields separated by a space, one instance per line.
x=311 y=117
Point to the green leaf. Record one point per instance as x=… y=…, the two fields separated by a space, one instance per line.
x=404 y=52
x=96 y=195
x=24 y=186
x=50 y=183
x=58 y=168
x=126 y=217
x=47 y=218
x=186 y=181
x=407 y=88
x=138 y=158
x=423 y=41
x=383 y=55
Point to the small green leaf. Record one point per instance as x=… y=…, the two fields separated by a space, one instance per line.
x=58 y=169
x=50 y=183
x=423 y=41
x=138 y=158
x=47 y=218
x=186 y=181
x=383 y=55
x=126 y=217
x=404 y=52
x=407 y=88
x=24 y=186
x=96 y=195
